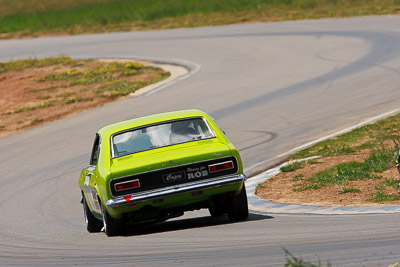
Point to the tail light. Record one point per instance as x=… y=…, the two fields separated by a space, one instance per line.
x=127 y=185
x=227 y=165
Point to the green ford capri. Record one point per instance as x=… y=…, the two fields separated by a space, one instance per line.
x=154 y=168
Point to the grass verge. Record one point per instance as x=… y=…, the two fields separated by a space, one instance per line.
x=366 y=137
x=34 y=17
x=18 y=65
x=380 y=139
x=292 y=166
x=35 y=91
x=353 y=169
x=379 y=161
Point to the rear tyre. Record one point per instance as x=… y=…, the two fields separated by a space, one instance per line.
x=93 y=225
x=218 y=206
x=112 y=227
x=238 y=209
x=216 y=211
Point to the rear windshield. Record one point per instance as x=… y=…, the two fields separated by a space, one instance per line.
x=160 y=135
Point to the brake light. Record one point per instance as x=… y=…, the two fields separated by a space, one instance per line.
x=127 y=185
x=221 y=166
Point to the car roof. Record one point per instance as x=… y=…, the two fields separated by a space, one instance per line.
x=151 y=119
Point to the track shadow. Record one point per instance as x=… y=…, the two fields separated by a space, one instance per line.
x=185 y=224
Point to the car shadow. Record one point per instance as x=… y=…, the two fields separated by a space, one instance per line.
x=185 y=224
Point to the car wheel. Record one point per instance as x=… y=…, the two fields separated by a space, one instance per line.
x=216 y=211
x=93 y=225
x=112 y=227
x=238 y=208
x=218 y=206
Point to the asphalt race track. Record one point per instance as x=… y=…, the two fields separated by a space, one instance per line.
x=272 y=87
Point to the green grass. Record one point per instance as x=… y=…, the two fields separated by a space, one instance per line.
x=382 y=138
x=297 y=177
x=29 y=108
x=36 y=121
x=381 y=159
x=349 y=143
x=292 y=166
x=293 y=261
x=392 y=183
x=381 y=197
x=111 y=76
x=307 y=187
x=51 y=88
x=93 y=75
x=16 y=65
x=260 y=186
x=350 y=190
x=378 y=161
x=75 y=16
x=43 y=97
x=340 y=145
x=388 y=183
x=76 y=99
x=103 y=80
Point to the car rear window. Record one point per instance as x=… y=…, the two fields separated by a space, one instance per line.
x=160 y=135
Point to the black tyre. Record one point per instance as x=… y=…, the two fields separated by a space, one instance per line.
x=216 y=211
x=238 y=209
x=112 y=227
x=93 y=225
x=218 y=206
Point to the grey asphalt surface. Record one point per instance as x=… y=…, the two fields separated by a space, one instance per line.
x=272 y=87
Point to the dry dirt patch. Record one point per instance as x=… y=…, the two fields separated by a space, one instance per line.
x=30 y=98
x=280 y=187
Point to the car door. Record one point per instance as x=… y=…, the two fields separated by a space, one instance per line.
x=90 y=179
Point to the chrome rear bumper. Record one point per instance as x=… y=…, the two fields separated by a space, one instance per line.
x=172 y=190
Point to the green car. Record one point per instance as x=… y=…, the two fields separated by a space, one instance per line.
x=154 y=168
